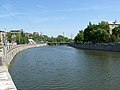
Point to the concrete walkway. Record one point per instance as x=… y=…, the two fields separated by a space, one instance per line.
x=0 y=62
x=6 y=82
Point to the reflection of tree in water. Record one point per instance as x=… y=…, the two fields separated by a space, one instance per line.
x=102 y=55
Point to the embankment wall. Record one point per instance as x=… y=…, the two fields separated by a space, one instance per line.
x=10 y=51
x=103 y=47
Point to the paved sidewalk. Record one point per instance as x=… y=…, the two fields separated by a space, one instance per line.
x=0 y=61
x=6 y=82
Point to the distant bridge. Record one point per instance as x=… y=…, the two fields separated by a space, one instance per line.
x=58 y=43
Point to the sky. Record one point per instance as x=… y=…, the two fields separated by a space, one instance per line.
x=55 y=17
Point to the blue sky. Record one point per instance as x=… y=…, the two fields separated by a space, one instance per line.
x=53 y=17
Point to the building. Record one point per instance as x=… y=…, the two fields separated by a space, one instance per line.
x=112 y=26
x=36 y=33
x=15 y=31
x=2 y=37
x=31 y=41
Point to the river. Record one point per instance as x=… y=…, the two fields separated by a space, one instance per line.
x=66 y=68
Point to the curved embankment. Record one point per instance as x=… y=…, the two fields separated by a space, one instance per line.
x=7 y=55
x=102 y=47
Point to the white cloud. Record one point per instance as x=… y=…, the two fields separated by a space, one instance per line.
x=8 y=6
x=74 y=9
x=68 y=1
x=84 y=9
x=11 y=14
x=95 y=8
x=47 y=19
x=8 y=10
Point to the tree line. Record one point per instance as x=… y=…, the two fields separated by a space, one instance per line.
x=98 y=33
x=23 y=38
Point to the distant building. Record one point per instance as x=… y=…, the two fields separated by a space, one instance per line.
x=28 y=34
x=36 y=33
x=2 y=37
x=112 y=26
x=15 y=31
x=31 y=41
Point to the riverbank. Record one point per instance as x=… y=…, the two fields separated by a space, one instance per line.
x=6 y=82
x=103 y=47
x=6 y=55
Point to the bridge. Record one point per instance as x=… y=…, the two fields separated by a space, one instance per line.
x=58 y=43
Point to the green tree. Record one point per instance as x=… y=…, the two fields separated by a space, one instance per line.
x=100 y=35
x=104 y=25
x=9 y=36
x=79 y=38
x=60 y=38
x=113 y=38
x=89 y=32
x=94 y=33
x=116 y=34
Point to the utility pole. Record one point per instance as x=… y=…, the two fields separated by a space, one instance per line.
x=63 y=34
x=19 y=38
x=71 y=36
x=4 y=37
x=41 y=33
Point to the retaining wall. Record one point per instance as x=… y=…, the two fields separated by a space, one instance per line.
x=10 y=51
x=104 y=47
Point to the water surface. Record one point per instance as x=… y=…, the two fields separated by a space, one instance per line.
x=66 y=68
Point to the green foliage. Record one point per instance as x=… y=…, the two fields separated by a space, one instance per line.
x=89 y=32
x=116 y=31
x=116 y=34
x=59 y=38
x=104 y=25
x=80 y=37
x=100 y=35
x=9 y=36
x=19 y=37
x=94 y=33
x=22 y=38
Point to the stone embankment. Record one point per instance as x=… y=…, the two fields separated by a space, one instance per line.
x=6 y=55
x=103 y=47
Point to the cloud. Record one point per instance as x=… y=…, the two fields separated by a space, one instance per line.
x=92 y=8
x=8 y=6
x=7 y=10
x=68 y=1
x=47 y=19
x=84 y=9
x=11 y=14
x=74 y=9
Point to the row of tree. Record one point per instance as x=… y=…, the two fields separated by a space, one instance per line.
x=98 y=33
x=19 y=37
x=59 y=38
x=22 y=38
